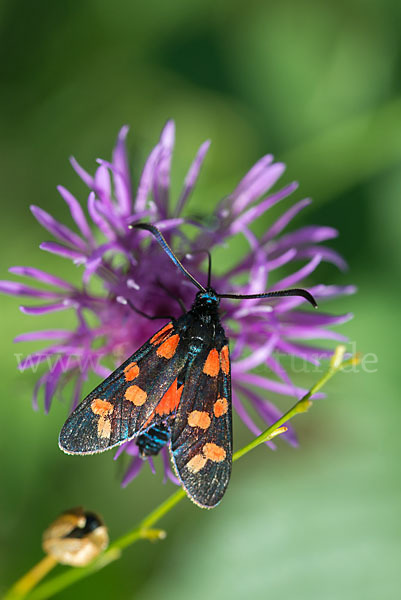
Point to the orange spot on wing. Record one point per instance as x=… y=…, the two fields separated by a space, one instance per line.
x=214 y=452
x=131 y=371
x=157 y=338
x=212 y=363
x=196 y=463
x=167 y=349
x=170 y=400
x=225 y=360
x=101 y=407
x=135 y=395
x=220 y=407
x=104 y=427
x=199 y=419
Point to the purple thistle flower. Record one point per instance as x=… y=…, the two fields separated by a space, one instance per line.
x=132 y=267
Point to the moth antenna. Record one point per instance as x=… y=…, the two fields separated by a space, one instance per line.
x=279 y=294
x=160 y=238
x=209 y=266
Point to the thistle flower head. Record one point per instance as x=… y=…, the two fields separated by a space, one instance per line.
x=132 y=267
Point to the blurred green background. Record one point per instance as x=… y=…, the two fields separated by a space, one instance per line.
x=318 y=84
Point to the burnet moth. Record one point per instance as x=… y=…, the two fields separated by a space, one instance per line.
x=174 y=390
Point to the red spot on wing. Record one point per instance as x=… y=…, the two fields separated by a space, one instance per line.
x=225 y=360
x=136 y=395
x=101 y=407
x=214 y=452
x=162 y=334
x=199 y=418
x=170 y=400
x=220 y=407
x=168 y=404
x=212 y=363
x=168 y=348
x=131 y=371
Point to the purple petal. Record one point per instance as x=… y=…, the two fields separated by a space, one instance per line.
x=303 y=352
x=192 y=176
x=18 y=289
x=151 y=464
x=258 y=274
x=294 y=278
x=168 y=224
x=36 y=389
x=316 y=319
x=133 y=471
x=146 y=180
x=312 y=354
x=257 y=357
x=283 y=221
x=168 y=473
x=77 y=213
x=60 y=231
x=272 y=264
x=122 y=180
x=332 y=291
x=41 y=276
x=270 y=385
x=100 y=370
x=122 y=448
x=327 y=254
x=254 y=173
x=161 y=182
x=61 y=250
x=98 y=220
x=248 y=311
x=279 y=370
x=49 y=334
x=43 y=309
x=239 y=347
x=33 y=360
x=102 y=186
x=52 y=380
x=86 y=178
x=258 y=187
x=257 y=211
x=309 y=333
x=281 y=260
x=319 y=292
x=251 y=238
x=77 y=392
x=130 y=448
x=90 y=268
x=110 y=216
x=247 y=420
x=306 y=235
x=270 y=414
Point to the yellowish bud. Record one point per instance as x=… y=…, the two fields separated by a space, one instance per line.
x=75 y=538
x=337 y=357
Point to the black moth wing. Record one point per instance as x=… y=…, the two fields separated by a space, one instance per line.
x=119 y=408
x=201 y=434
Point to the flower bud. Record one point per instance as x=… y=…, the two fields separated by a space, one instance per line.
x=75 y=538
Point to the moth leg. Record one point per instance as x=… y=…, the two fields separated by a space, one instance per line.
x=169 y=293
x=128 y=302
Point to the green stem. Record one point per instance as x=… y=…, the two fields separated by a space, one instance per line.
x=144 y=528
x=302 y=405
x=28 y=581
